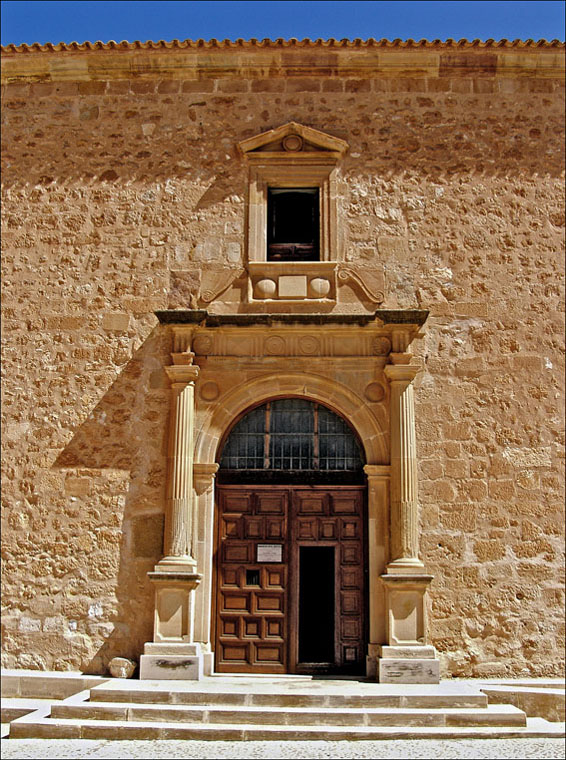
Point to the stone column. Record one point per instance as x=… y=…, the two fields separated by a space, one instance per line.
x=177 y=544
x=204 y=475
x=404 y=504
x=378 y=550
x=406 y=658
x=173 y=654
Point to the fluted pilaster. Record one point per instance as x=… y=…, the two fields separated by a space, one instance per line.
x=404 y=497
x=179 y=505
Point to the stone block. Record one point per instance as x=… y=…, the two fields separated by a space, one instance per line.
x=292 y=286
x=171 y=667
x=121 y=667
x=208 y=663
x=409 y=671
x=116 y=321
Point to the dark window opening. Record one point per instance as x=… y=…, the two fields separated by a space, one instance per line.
x=293 y=224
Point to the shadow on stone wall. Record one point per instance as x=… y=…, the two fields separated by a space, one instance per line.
x=120 y=448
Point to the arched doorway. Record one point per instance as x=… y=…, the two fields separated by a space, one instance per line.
x=290 y=543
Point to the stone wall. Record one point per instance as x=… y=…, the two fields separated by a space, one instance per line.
x=124 y=193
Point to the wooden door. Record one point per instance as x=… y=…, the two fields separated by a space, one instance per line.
x=260 y=533
x=251 y=619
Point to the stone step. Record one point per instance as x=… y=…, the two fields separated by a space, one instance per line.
x=499 y=715
x=14 y=707
x=537 y=702
x=40 y=685
x=372 y=695
x=61 y=728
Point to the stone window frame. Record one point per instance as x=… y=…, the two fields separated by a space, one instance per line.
x=273 y=165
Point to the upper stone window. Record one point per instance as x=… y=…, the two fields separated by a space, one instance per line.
x=292 y=199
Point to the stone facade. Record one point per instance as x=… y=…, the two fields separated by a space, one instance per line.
x=128 y=189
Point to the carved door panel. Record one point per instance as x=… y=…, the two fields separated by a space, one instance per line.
x=251 y=594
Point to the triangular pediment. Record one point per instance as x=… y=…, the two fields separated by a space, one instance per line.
x=293 y=139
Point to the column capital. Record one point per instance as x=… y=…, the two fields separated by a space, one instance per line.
x=380 y=471
x=401 y=373
x=182 y=373
x=203 y=476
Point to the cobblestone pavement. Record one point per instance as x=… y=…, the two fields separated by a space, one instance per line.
x=406 y=748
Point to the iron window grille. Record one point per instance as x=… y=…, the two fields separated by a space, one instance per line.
x=292 y=435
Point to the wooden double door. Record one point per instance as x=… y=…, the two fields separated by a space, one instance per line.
x=290 y=579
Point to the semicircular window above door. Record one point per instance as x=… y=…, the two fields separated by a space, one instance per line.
x=292 y=436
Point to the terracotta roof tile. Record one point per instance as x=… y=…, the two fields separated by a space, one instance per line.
x=49 y=47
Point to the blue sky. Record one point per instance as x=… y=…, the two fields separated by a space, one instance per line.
x=38 y=21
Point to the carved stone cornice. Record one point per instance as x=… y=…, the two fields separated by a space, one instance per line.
x=194 y=59
x=409 y=319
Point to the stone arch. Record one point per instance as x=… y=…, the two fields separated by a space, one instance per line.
x=329 y=392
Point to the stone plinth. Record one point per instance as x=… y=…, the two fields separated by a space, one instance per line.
x=407 y=658
x=172 y=654
x=167 y=661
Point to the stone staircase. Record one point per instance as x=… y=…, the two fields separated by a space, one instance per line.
x=278 y=708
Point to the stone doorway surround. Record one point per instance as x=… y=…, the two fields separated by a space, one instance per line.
x=358 y=365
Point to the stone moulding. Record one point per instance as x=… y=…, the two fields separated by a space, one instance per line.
x=416 y=317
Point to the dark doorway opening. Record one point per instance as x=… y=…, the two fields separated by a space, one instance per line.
x=316 y=604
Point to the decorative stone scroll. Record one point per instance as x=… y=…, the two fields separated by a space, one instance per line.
x=371 y=282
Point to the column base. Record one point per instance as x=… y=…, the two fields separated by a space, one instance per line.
x=171 y=662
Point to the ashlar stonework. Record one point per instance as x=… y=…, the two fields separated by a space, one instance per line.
x=143 y=318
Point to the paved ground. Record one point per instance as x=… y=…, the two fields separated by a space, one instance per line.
x=462 y=748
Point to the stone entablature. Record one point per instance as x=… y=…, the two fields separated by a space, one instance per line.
x=263 y=335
